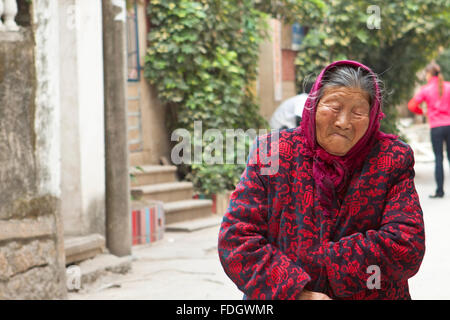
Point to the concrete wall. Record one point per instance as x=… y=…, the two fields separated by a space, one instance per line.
x=31 y=244
x=267 y=68
x=82 y=117
x=267 y=103
x=92 y=132
x=154 y=132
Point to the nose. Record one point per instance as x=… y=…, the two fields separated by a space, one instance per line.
x=343 y=120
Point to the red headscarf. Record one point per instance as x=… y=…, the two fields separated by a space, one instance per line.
x=331 y=173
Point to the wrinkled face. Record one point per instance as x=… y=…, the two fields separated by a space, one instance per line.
x=342 y=118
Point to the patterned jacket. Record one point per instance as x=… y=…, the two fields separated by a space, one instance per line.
x=274 y=239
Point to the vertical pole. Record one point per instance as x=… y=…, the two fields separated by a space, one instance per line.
x=118 y=230
x=2 y=27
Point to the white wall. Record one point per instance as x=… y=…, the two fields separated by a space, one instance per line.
x=70 y=141
x=47 y=118
x=45 y=18
x=92 y=138
x=82 y=118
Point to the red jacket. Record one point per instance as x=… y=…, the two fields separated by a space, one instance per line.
x=438 y=107
x=274 y=239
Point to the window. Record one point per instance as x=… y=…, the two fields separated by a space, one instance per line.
x=133 y=61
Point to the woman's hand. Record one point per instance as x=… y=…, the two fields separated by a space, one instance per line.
x=311 y=295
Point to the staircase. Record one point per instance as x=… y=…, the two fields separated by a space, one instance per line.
x=182 y=212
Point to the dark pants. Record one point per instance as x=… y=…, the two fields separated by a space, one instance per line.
x=438 y=136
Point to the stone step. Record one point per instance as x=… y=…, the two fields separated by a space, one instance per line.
x=165 y=192
x=195 y=224
x=179 y=211
x=152 y=174
x=84 y=247
x=93 y=269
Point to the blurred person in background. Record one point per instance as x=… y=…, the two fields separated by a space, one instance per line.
x=289 y=114
x=436 y=94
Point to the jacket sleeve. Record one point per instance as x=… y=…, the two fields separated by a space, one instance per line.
x=257 y=267
x=396 y=248
x=414 y=103
x=413 y=106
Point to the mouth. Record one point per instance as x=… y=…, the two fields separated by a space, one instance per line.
x=336 y=134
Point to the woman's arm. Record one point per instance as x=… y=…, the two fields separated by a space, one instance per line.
x=396 y=248
x=414 y=106
x=258 y=268
x=414 y=103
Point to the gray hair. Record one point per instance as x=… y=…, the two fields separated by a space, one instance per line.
x=346 y=76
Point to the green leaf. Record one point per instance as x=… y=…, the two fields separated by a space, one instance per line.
x=362 y=36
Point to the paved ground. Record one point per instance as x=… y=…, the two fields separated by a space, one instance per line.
x=433 y=279
x=186 y=265
x=181 y=266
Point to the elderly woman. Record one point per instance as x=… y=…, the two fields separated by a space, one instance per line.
x=341 y=218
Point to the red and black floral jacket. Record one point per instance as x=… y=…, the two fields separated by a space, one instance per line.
x=275 y=240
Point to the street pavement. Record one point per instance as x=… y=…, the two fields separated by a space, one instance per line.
x=182 y=266
x=433 y=279
x=186 y=265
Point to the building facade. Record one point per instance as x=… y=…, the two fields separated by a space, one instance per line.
x=53 y=168
x=31 y=230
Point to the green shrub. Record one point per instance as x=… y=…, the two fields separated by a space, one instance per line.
x=408 y=37
x=443 y=60
x=202 y=59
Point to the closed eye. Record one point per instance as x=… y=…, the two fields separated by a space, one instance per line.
x=361 y=111
x=333 y=108
x=359 y=115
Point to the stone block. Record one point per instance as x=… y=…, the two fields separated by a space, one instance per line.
x=82 y=248
x=17 y=257
x=27 y=228
x=45 y=282
x=94 y=268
